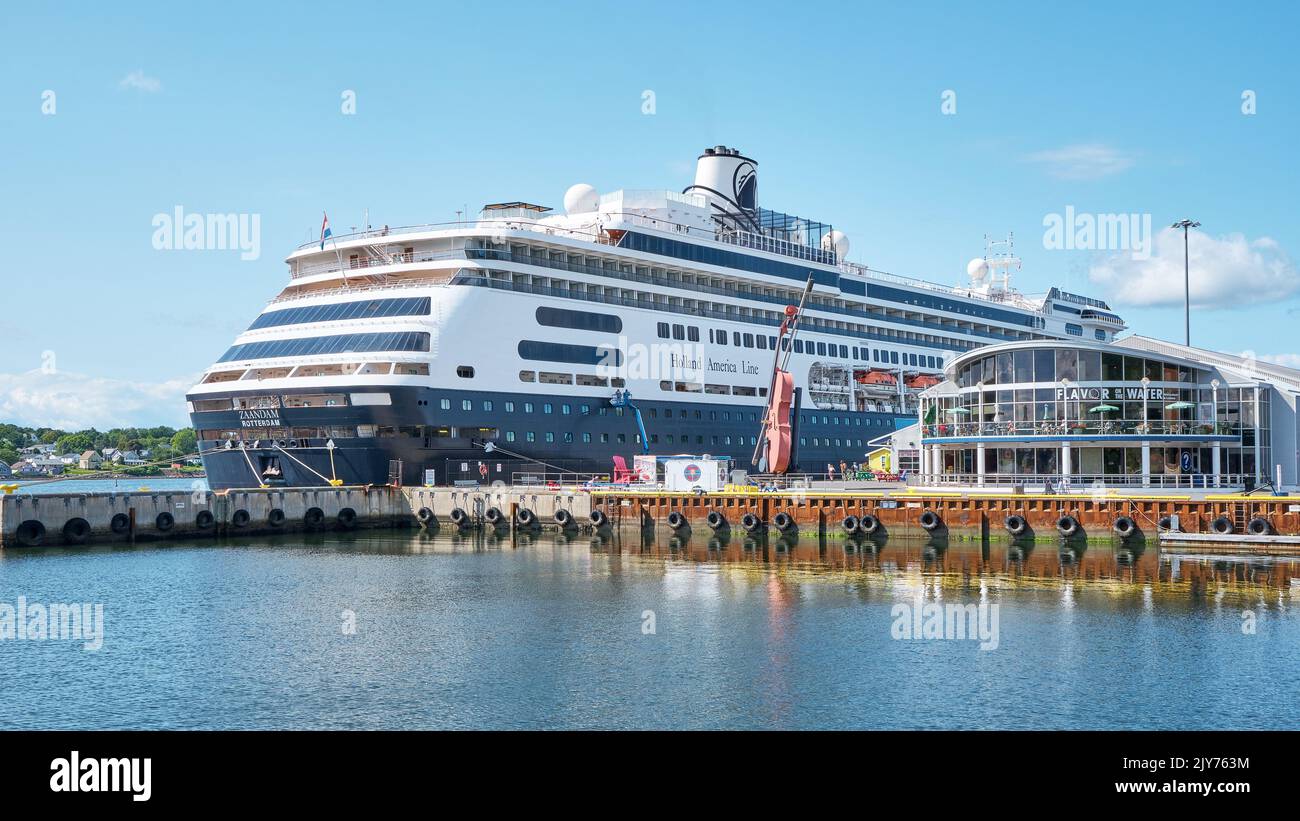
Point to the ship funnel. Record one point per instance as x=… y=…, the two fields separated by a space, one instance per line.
x=728 y=178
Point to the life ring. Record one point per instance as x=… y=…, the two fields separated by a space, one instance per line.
x=1015 y=524
x=851 y=524
x=598 y=517
x=1067 y=526
x=493 y=516
x=459 y=517
x=120 y=523
x=716 y=521
x=204 y=520
x=1222 y=525
x=313 y=517
x=347 y=518
x=31 y=533
x=241 y=518
x=751 y=523
x=424 y=515
x=164 y=521
x=784 y=522
x=1259 y=526
x=677 y=521
x=525 y=517
x=275 y=518
x=1124 y=527
x=869 y=524
x=76 y=531
x=563 y=518
x=930 y=520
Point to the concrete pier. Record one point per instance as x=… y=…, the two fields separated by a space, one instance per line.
x=72 y=519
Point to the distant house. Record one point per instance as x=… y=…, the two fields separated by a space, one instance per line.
x=133 y=457
x=40 y=450
x=38 y=466
x=111 y=454
x=90 y=460
x=6 y=472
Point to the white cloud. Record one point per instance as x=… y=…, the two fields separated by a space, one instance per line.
x=140 y=81
x=1226 y=271
x=1286 y=360
x=1084 y=161
x=73 y=401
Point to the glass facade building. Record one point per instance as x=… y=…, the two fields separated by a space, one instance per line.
x=1085 y=413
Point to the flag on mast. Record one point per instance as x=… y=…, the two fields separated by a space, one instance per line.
x=324 y=230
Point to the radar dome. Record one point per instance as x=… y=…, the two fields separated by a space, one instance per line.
x=837 y=242
x=581 y=199
x=977 y=269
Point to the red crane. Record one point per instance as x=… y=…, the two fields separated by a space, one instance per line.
x=772 y=455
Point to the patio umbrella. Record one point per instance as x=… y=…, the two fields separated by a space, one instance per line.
x=1181 y=405
x=958 y=410
x=1103 y=409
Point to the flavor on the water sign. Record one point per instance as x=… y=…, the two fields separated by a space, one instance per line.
x=1119 y=393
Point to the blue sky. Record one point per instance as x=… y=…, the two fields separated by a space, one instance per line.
x=236 y=108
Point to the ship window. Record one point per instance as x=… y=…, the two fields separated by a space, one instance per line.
x=465 y=372
x=510 y=436
x=581 y=320
x=550 y=436
x=591 y=381
x=663 y=330
x=749 y=340
x=665 y=385
x=693 y=334
x=821 y=348
x=735 y=338
x=546 y=407
x=527 y=376
x=741 y=390
x=586 y=437
x=722 y=337
x=202 y=405
x=528 y=407
x=466 y=404
x=445 y=404
x=617 y=382
x=342 y=343
x=548 y=378
x=530 y=436
x=335 y=311
x=410 y=369
x=487 y=404
x=798 y=346
x=222 y=376
x=566 y=409
x=679 y=332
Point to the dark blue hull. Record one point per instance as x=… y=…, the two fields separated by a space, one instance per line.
x=443 y=431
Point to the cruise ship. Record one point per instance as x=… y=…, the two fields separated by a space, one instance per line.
x=537 y=341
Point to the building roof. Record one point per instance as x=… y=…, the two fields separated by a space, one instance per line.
x=1245 y=368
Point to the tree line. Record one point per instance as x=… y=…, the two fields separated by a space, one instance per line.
x=162 y=442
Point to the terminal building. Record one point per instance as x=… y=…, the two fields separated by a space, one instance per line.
x=1138 y=413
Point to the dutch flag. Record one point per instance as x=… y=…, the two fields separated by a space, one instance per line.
x=324 y=230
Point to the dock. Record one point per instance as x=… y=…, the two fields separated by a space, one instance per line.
x=73 y=519
x=33 y=520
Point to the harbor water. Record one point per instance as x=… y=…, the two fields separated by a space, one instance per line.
x=408 y=629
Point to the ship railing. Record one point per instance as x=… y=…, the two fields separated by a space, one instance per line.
x=364 y=287
x=553 y=479
x=1085 y=482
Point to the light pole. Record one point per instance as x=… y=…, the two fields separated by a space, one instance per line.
x=1186 y=224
